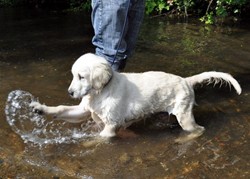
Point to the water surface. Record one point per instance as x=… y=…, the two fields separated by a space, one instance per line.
x=37 y=50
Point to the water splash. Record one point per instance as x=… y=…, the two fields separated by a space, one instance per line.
x=39 y=129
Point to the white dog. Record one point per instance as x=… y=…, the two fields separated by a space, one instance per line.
x=119 y=99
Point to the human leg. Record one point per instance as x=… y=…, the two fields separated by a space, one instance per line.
x=116 y=26
x=135 y=18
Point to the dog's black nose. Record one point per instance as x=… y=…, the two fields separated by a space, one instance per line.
x=71 y=93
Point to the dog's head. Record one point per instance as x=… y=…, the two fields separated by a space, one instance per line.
x=90 y=73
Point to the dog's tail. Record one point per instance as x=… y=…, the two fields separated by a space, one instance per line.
x=214 y=77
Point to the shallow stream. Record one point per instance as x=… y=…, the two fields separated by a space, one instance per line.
x=37 y=50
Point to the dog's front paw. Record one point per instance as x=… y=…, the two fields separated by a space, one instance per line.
x=108 y=131
x=106 y=134
x=37 y=107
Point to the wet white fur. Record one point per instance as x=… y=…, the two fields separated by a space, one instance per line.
x=119 y=99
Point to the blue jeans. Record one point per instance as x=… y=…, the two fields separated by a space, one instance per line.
x=116 y=26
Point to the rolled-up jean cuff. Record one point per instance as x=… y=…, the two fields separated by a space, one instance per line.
x=112 y=58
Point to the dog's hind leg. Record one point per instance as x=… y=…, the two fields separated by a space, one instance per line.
x=185 y=117
x=187 y=122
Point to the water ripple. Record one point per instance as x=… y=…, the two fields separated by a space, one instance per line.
x=39 y=129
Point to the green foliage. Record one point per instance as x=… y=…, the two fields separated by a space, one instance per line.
x=156 y=6
x=222 y=9
x=168 y=6
x=6 y=3
x=214 y=8
x=209 y=10
x=208 y=18
x=79 y=5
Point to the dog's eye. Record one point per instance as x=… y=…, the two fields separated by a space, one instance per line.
x=80 y=77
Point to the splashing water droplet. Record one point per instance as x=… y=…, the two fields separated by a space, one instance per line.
x=38 y=129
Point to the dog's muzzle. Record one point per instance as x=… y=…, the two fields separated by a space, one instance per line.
x=72 y=93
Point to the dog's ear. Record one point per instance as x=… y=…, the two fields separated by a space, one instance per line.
x=100 y=75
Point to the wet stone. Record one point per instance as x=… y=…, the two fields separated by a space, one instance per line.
x=138 y=160
x=1 y=161
x=125 y=158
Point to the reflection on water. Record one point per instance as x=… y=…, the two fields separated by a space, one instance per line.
x=37 y=50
